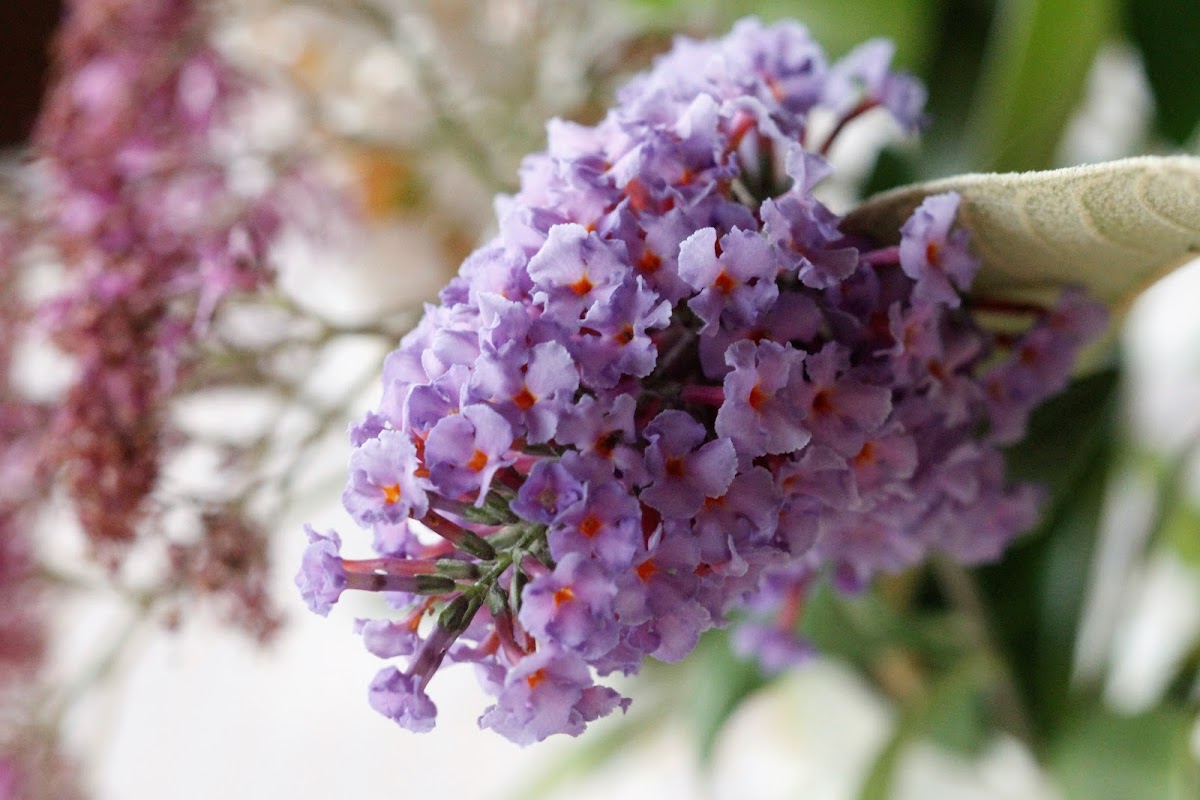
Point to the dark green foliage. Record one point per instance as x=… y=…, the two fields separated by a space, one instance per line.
x=1168 y=34
x=1035 y=594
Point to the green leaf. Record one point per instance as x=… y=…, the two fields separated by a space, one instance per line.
x=952 y=74
x=962 y=723
x=956 y=687
x=1037 y=61
x=837 y=25
x=1113 y=228
x=1181 y=531
x=719 y=681
x=1064 y=435
x=859 y=629
x=1176 y=521
x=1104 y=756
x=1168 y=33
x=892 y=168
x=1035 y=594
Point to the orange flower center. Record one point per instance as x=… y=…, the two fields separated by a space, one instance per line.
x=582 y=286
x=590 y=525
x=534 y=678
x=563 y=595
x=649 y=263
x=757 y=398
x=646 y=570
x=478 y=461
x=933 y=253
x=606 y=443
x=638 y=194
x=524 y=399
x=724 y=284
x=866 y=456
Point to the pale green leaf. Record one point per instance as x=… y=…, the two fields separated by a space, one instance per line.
x=1107 y=756
x=1035 y=67
x=719 y=682
x=959 y=685
x=1112 y=228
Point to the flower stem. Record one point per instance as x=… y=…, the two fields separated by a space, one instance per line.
x=852 y=115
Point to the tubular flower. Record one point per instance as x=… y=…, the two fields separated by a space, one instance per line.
x=671 y=388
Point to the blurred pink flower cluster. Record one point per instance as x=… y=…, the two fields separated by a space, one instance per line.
x=152 y=233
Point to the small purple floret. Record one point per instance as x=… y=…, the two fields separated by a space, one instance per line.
x=763 y=411
x=321 y=578
x=934 y=255
x=548 y=492
x=548 y=692
x=401 y=698
x=573 y=607
x=384 y=486
x=685 y=469
x=465 y=450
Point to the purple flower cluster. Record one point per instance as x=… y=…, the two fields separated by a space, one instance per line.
x=151 y=231
x=22 y=629
x=670 y=388
x=31 y=763
x=22 y=487
x=132 y=189
x=134 y=192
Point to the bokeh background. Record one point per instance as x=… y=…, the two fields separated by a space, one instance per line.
x=418 y=113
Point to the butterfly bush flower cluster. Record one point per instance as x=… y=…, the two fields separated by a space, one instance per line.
x=137 y=193
x=142 y=210
x=22 y=631
x=32 y=765
x=671 y=390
